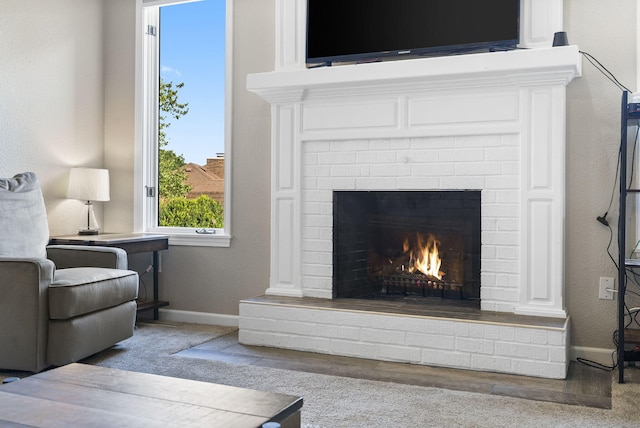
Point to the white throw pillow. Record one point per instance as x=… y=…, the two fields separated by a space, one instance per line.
x=24 y=231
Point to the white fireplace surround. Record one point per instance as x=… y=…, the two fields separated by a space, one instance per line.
x=493 y=122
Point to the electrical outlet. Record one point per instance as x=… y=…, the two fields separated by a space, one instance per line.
x=606 y=284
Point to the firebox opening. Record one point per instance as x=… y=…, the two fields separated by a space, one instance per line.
x=421 y=246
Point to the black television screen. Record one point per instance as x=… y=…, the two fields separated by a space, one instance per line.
x=365 y=30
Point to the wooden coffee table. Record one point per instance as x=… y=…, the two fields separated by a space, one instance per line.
x=81 y=395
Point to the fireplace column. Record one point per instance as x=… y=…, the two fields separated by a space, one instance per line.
x=543 y=198
x=285 y=278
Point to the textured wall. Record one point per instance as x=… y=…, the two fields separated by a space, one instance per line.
x=51 y=106
x=607 y=30
x=119 y=111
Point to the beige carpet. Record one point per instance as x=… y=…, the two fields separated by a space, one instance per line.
x=332 y=401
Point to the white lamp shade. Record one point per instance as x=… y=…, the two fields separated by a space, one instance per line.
x=88 y=184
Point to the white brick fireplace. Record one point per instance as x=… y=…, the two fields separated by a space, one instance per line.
x=493 y=122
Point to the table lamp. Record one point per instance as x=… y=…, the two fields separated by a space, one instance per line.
x=89 y=184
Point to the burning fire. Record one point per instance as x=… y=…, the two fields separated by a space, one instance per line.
x=424 y=257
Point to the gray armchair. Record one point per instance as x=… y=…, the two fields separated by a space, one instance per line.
x=58 y=304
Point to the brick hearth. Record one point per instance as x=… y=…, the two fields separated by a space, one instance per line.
x=416 y=334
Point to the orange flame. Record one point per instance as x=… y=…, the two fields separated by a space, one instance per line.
x=426 y=258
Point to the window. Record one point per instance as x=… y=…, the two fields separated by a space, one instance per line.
x=185 y=112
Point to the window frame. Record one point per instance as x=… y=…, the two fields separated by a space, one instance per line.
x=146 y=171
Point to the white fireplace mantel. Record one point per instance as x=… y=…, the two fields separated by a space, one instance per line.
x=557 y=65
x=517 y=96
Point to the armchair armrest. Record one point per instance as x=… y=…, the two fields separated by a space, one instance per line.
x=22 y=270
x=67 y=256
x=24 y=312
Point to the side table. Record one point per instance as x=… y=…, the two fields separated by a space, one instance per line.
x=132 y=243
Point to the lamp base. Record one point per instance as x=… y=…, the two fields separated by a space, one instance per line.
x=88 y=232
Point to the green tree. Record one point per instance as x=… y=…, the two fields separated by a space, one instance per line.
x=199 y=212
x=174 y=208
x=171 y=180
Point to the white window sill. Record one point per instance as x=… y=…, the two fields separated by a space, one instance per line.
x=200 y=240
x=191 y=238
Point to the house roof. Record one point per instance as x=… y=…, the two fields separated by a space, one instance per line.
x=204 y=181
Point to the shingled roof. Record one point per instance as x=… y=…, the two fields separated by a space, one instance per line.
x=207 y=179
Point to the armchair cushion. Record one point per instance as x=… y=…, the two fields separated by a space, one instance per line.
x=79 y=291
x=23 y=218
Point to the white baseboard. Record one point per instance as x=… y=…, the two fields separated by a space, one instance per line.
x=599 y=355
x=198 y=317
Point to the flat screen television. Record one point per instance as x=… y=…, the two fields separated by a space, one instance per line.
x=369 y=30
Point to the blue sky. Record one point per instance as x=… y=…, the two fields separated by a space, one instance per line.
x=192 y=46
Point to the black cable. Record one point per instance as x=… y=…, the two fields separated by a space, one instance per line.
x=628 y=314
x=601 y=366
x=632 y=292
x=596 y=364
x=609 y=246
x=603 y=219
x=609 y=75
x=633 y=276
x=633 y=157
x=144 y=286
